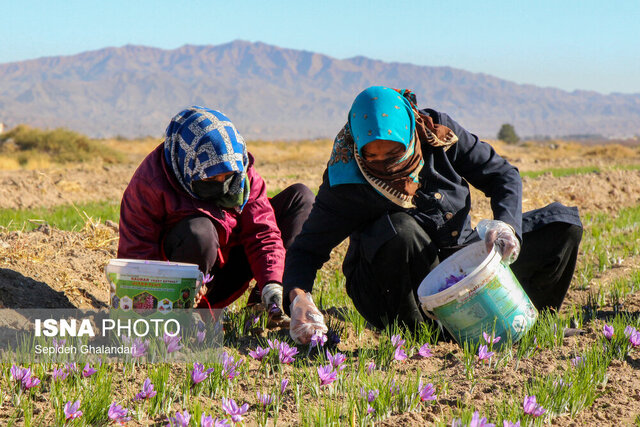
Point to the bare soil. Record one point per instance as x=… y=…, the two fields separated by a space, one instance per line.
x=53 y=268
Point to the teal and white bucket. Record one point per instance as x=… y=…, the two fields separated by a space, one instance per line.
x=488 y=297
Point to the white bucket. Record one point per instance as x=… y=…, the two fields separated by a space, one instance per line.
x=152 y=287
x=489 y=297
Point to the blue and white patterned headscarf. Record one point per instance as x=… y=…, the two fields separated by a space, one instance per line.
x=201 y=143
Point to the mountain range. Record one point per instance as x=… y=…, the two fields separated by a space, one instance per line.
x=276 y=93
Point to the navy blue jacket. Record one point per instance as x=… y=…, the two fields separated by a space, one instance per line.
x=442 y=205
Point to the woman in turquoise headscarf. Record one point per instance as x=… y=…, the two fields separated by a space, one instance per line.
x=397 y=184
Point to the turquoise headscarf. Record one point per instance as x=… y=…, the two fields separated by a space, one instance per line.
x=377 y=113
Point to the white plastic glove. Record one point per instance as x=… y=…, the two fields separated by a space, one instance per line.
x=272 y=298
x=502 y=235
x=306 y=319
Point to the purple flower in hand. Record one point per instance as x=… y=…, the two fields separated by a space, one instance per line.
x=265 y=399
x=199 y=374
x=428 y=392
x=147 y=391
x=283 y=385
x=425 y=351
x=318 y=339
x=337 y=360
x=117 y=413
x=484 y=353
x=207 y=278
x=327 y=375
x=87 y=371
x=72 y=410
x=231 y=408
x=531 y=407
x=180 y=419
x=286 y=353
x=489 y=338
x=397 y=341
x=608 y=332
x=259 y=353
x=399 y=354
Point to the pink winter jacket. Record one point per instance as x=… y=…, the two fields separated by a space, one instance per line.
x=154 y=202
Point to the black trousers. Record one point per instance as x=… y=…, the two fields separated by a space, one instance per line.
x=195 y=240
x=383 y=285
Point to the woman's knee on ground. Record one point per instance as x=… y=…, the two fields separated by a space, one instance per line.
x=410 y=236
x=193 y=240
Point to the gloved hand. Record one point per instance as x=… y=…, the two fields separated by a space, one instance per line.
x=502 y=235
x=306 y=319
x=272 y=299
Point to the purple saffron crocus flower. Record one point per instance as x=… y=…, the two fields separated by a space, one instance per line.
x=425 y=351
x=286 y=353
x=607 y=330
x=59 y=374
x=327 y=375
x=200 y=336
x=318 y=339
x=147 y=391
x=30 y=382
x=232 y=408
x=229 y=366
x=57 y=343
x=371 y=395
x=393 y=388
x=265 y=399
x=370 y=410
x=273 y=345
x=199 y=374
x=337 y=360
x=490 y=339
x=370 y=367
x=506 y=423
x=117 y=413
x=476 y=421
x=397 y=341
x=428 y=392
x=577 y=361
x=180 y=419
x=634 y=338
x=174 y=344
x=399 y=354
x=259 y=353
x=72 y=367
x=208 y=421
x=207 y=278
x=72 y=410
x=87 y=371
x=531 y=407
x=139 y=348
x=283 y=385
x=18 y=373
x=484 y=353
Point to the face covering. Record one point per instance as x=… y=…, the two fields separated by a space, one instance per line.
x=212 y=190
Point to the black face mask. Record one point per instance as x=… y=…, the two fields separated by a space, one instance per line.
x=211 y=190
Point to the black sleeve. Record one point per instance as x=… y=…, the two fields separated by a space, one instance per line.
x=337 y=212
x=478 y=163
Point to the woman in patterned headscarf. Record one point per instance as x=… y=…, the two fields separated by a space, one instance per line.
x=397 y=185
x=197 y=198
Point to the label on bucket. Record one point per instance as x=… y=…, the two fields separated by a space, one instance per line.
x=146 y=296
x=501 y=300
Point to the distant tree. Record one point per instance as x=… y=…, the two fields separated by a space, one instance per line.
x=508 y=134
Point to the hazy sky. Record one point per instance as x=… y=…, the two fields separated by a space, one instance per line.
x=568 y=44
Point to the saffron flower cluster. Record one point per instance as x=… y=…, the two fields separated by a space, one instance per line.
x=172 y=342
x=286 y=353
x=230 y=366
x=117 y=413
x=23 y=375
x=318 y=339
x=531 y=407
x=327 y=374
